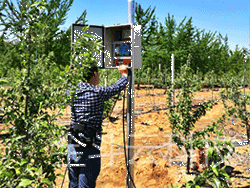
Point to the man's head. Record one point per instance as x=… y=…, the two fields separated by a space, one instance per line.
x=93 y=76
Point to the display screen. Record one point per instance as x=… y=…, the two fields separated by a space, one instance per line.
x=122 y=50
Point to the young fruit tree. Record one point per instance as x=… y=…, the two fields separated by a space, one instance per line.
x=215 y=175
x=183 y=116
x=236 y=104
x=37 y=97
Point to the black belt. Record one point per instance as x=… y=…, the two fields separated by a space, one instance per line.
x=78 y=126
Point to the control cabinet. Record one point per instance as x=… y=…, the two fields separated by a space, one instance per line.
x=120 y=44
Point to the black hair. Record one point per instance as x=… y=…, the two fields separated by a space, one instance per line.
x=91 y=71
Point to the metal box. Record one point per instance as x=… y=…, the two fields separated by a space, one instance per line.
x=120 y=43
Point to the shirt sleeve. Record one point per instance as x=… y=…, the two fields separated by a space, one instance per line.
x=109 y=91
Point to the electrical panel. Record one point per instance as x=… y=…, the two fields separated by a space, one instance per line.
x=121 y=44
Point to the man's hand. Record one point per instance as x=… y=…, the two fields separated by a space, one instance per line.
x=123 y=70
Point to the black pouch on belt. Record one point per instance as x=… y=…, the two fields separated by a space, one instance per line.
x=84 y=133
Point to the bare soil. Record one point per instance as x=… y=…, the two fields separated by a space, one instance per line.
x=155 y=154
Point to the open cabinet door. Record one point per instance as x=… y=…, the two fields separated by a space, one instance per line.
x=121 y=44
x=137 y=46
x=97 y=31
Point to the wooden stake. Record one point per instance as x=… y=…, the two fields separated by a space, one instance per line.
x=172 y=68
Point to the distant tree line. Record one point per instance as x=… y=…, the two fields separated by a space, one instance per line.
x=207 y=51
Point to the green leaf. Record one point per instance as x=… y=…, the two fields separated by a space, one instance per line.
x=19 y=137
x=88 y=35
x=40 y=169
x=210 y=152
x=60 y=175
x=86 y=54
x=217 y=183
x=47 y=181
x=42 y=150
x=23 y=12
x=214 y=168
x=3 y=81
x=34 y=168
x=38 y=186
x=23 y=161
x=7 y=173
x=17 y=171
x=223 y=172
x=25 y=182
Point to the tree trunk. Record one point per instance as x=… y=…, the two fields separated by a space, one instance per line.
x=201 y=159
x=188 y=161
x=27 y=101
x=248 y=133
x=138 y=85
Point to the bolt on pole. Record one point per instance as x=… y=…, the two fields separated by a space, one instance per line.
x=130 y=103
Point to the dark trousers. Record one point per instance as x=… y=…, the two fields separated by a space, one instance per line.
x=84 y=164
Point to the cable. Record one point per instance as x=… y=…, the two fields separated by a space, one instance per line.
x=64 y=176
x=109 y=114
x=126 y=160
x=65 y=172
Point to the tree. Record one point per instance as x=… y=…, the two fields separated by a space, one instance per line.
x=9 y=58
x=183 y=117
x=148 y=24
x=167 y=34
x=238 y=106
x=36 y=99
x=235 y=62
x=164 y=44
x=201 y=56
x=183 y=42
x=14 y=24
x=145 y=18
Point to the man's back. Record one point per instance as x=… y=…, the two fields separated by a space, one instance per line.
x=89 y=105
x=84 y=139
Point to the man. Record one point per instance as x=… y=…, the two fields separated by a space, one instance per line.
x=84 y=139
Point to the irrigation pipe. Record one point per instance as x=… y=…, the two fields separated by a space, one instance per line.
x=123 y=127
x=160 y=109
x=152 y=110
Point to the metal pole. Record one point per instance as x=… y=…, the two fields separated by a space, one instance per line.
x=172 y=69
x=131 y=11
x=130 y=101
x=244 y=74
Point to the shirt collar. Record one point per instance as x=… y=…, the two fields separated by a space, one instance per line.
x=85 y=85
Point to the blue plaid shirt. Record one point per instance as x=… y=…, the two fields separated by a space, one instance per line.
x=89 y=105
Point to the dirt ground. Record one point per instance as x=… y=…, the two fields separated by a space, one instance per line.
x=155 y=155
x=156 y=158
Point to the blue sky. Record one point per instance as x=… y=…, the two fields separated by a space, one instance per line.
x=229 y=17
